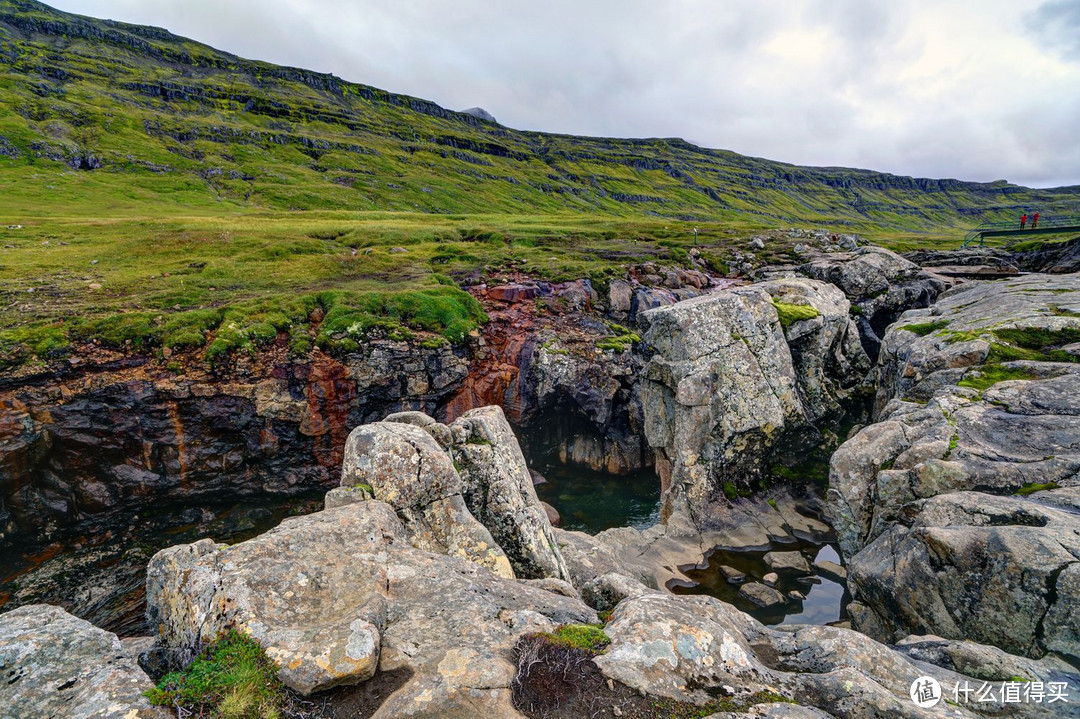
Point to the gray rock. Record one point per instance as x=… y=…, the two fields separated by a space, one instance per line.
x=723 y=387
x=55 y=665
x=335 y=594
x=499 y=492
x=771 y=579
x=732 y=575
x=762 y=596
x=831 y=570
x=924 y=498
x=407 y=469
x=787 y=563
x=690 y=647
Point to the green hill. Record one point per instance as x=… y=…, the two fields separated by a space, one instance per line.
x=166 y=119
x=156 y=177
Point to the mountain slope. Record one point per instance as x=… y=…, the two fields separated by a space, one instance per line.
x=159 y=119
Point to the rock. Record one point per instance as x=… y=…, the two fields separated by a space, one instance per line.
x=498 y=490
x=787 y=562
x=438 y=431
x=831 y=570
x=605 y=592
x=340 y=496
x=620 y=298
x=689 y=648
x=721 y=389
x=481 y=114
x=397 y=250
x=881 y=283
x=334 y=594
x=552 y=514
x=926 y=496
x=796 y=596
x=771 y=579
x=732 y=575
x=756 y=243
x=407 y=469
x=55 y=665
x=762 y=596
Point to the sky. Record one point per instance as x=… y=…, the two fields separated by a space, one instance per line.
x=969 y=89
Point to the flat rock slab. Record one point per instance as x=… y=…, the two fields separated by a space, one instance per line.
x=762 y=596
x=787 y=563
x=55 y=665
x=831 y=570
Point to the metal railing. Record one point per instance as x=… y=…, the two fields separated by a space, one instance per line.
x=1012 y=229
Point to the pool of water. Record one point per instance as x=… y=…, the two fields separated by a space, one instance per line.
x=591 y=502
x=825 y=603
x=101 y=577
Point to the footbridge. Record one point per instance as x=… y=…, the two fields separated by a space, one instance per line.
x=1012 y=229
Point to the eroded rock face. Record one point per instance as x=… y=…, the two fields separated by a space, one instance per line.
x=881 y=283
x=97 y=442
x=335 y=594
x=722 y=389
x=924 y=500
x=498 y=490
x=678 y=647
x=55 y=665
x=406 y=468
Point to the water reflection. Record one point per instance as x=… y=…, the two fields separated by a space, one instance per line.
x=591 y=501
x=825 y=600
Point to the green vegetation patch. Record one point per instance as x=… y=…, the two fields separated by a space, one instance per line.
x=789 y=314
x=925 y=328
x=1033 y=487
x=621 y=341
x=990 y=374
x=586 y=637
x=232 y=679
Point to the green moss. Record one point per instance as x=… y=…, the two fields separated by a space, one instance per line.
x=232 y=679
x=622 y=341
x=772 y=503
x=925 y=328
x=990 y=374
x=586 y=637
x=789 y=314
x=1032 y=488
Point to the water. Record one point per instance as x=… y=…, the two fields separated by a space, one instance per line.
x=825 y=601
x=101 y=577
x=594 y=501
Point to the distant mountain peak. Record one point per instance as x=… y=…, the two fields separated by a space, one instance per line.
x=481 y=114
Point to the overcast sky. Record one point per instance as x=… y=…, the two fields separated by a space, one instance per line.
x=971 y=89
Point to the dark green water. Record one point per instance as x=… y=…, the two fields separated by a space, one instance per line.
x=593 y=501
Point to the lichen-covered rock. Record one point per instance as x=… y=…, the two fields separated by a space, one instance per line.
x=335 y=594
x=406 y=468
x=683 y=647
x=926 y=498
x=498 y=490
x=55 y=665
x=881 y=283
x=718 y=392
x=726 y=384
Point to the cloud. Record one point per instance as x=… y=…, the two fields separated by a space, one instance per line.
x=978 y=91
x=1058 y=23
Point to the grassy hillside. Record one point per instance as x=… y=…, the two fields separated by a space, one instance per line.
x=176 y=196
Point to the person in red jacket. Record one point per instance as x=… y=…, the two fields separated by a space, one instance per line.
x=1023 y=220
x=1035 y=221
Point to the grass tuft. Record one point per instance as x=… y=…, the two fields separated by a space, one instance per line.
x=789 y=314
x=232 y=679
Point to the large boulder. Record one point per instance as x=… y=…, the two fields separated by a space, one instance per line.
x=691 y=648
x=335 y=595
x=498 y=490
x=406 y=468
x=55 y=665
x=970 y=471
x=880 y=284
x=727 y=383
